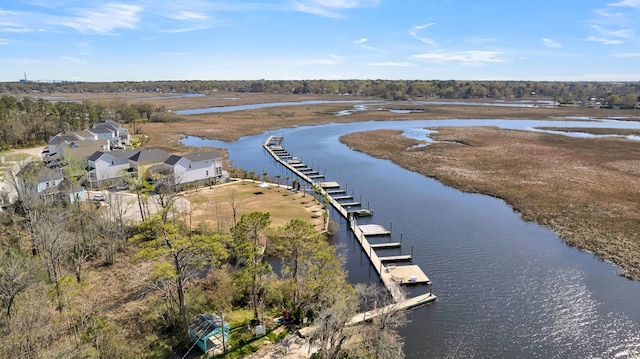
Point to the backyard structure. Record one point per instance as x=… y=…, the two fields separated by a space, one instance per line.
x=209 y=332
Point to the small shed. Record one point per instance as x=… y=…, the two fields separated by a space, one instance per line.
x=207 y=331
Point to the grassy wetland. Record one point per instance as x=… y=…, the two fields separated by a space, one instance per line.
x=586 y=190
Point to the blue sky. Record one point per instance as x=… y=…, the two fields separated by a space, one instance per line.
x=92 y=40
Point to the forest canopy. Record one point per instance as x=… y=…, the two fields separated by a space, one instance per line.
x=564 y=92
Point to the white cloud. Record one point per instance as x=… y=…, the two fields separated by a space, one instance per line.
x=22 y=30
x=328 y=8
x=478 y=40
x=622 y=33
x=626 y=55
x=106 y=19
x=390 y=63
x=551 y=43
x=4 y=42
x=424 y=40
x=362 y=44
x=420 y=27
x=315 y=10
x=84 y=47
x=189 y=15
x=187 y=29
x=605 y=41
x=626 y=3
x=465 y=57
x=345 y=4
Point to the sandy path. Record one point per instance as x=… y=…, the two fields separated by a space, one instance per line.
x=292 y=347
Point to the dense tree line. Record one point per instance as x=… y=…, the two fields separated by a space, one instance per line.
x=564 y=92
x=33 y=121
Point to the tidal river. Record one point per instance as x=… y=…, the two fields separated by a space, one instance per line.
x=506 y=288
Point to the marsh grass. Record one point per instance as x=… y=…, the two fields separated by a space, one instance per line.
x=586 y=190
x=595 y=130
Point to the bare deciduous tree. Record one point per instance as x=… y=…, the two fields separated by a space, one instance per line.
x=16 y=275
x=330 y=333
x=379 y=336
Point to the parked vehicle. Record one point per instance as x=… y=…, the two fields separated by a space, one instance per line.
x=121 y=186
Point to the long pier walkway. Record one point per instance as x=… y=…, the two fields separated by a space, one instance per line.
x=392 y=276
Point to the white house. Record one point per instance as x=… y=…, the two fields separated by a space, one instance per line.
x=53 y=153
x=109 y=167
x=38 y=178
x=108 y=129
x=203 y=167
x=47 y=183
x=146 y=158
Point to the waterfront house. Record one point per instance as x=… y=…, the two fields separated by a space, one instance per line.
x=140 y=162
x=112 y=130
x=52 y=155
x=199 y=168
x=107 y=168
x=208 y=331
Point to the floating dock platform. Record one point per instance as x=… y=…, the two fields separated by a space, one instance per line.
x=374 y=230
x=386 y=245
x=329 y=185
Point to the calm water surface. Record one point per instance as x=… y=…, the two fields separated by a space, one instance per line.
x=505 y=287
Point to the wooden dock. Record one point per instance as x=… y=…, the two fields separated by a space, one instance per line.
x=364 y=212
x=404 y=305
x=342 y=198
x=391 y=275
x=400 y=258
x=386 y=245
x=329 y=185
x=351 y=204
x=374 y=230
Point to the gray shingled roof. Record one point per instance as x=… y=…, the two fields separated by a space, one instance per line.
x=151 y=155
x=105 y=129
x=61 y=137
x=172 y=160
x=83 y=149
x=111 y=123
x=115 y=154
x=202 y=156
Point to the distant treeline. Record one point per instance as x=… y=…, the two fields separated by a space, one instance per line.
x=28 y=121
x=33 y=121
x=616 y=93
